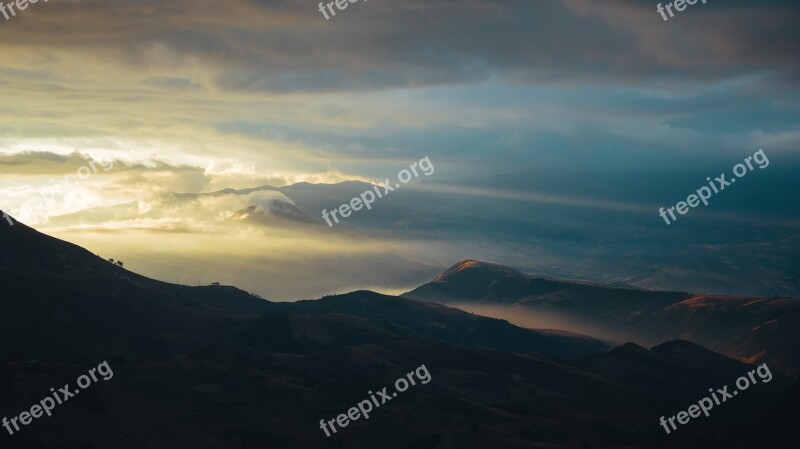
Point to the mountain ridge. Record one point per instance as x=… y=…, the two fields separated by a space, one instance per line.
x=217 y=367
x=745 y=328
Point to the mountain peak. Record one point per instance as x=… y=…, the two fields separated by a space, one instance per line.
x=472 y=266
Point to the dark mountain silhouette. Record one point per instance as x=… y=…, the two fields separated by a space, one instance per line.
x=215 y=367
x=749 y=329
x=487 y=283
x=381 y=317
x=118 y=311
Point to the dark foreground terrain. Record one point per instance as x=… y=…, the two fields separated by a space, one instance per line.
x=215 y=367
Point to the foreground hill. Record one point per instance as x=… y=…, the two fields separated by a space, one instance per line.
x=101 y=308
x=749 y=329
x=215 y=367
x=381 y=317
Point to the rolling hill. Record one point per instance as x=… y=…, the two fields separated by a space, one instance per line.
x=748 y=329
x=212 y=367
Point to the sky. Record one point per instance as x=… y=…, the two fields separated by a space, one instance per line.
x=538 y=116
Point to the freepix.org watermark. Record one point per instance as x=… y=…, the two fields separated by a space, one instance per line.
x=46 y=405
x=367 y=198
x=717 y=185
x=19 y=5
x=341 y=5
x=365 y=407
x=706 y=404
x=680 y=6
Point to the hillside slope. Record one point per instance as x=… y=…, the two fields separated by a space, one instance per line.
x=748 y=329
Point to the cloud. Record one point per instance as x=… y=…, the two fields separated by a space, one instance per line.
x=32 y=163
x=280 y=46
x=208 y=107
x=272 y=87
x=43 y=185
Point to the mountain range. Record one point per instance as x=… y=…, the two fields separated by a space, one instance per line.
x=750 y=329
x=215 y=366
x=534 y=220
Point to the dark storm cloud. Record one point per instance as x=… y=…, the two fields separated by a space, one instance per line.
x=287 y=46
